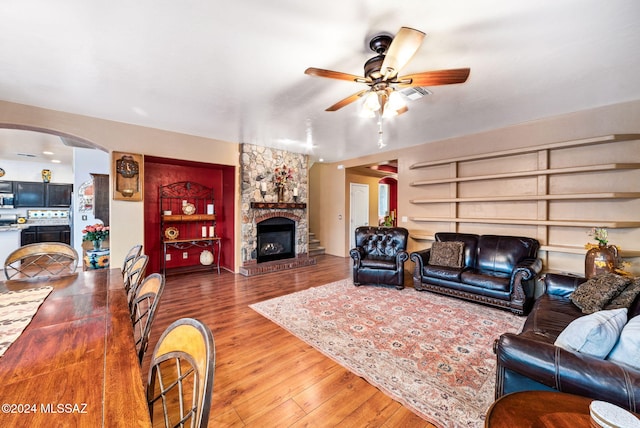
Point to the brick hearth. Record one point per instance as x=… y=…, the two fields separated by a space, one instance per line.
x=252 y=268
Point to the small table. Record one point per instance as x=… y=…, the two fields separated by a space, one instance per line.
x=539 y=409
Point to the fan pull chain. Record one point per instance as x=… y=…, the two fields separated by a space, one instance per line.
x=381 y=143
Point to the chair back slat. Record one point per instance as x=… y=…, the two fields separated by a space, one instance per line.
x=143 y=310
x=41 y=259
x=181 y=375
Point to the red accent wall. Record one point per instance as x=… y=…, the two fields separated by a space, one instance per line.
x=160 y=172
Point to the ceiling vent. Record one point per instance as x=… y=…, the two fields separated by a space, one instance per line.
x=415 y=92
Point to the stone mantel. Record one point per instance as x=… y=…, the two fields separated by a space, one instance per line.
x=278 y=205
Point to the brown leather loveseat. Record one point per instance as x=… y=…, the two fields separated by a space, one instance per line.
x=492 y=269
x=530 y=360
x=379 y=256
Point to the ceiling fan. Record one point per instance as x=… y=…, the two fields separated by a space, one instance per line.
x=381 y=74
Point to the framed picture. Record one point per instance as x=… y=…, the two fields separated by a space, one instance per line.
x=127 y=170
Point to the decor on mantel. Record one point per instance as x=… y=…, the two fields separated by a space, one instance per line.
x=282 y=175
x=600 y=257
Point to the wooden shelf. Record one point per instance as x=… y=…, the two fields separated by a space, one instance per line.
x=533 y=222
x=532 y=173
x=560 y=145
x=573 y=196
x=193 y=217
x=581 y=250
x=179 y=241
x=424 y=236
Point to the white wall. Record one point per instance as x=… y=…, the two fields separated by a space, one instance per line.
x=85 y=162
x=32 y=171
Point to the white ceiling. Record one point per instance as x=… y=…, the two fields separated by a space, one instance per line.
x=234 y=71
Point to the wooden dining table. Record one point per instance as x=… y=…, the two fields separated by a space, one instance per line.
x=75 y=364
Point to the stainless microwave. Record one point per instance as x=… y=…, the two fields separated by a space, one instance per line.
x=6 y=200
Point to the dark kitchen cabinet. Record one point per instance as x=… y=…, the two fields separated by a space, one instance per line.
x=101 y=197
x=28 y=236
x=38 y=195
x=35 y=234
x=58 y=195
x=29 y=194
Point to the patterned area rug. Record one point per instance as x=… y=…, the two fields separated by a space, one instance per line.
x=432 y=353
x=17 y=309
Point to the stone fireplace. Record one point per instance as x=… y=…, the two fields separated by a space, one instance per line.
x=263 y=214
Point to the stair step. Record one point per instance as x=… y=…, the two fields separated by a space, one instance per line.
x=316 y=251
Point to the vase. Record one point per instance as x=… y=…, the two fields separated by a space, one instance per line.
x=97 y=244
x=280 y=193
x=600 y=259
x=97 y=259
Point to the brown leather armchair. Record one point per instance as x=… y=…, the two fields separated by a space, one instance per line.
x=379 y=256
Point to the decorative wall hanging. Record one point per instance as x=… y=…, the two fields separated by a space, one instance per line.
x=128 y=176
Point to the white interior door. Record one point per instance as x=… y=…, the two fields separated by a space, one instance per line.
x=359 y=208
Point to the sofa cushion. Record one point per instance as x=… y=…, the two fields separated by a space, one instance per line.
x=378 y=262
x=470 y=245
x=448 y=254
x=594 y=334
x=627 y=349
x=593 y=295
x=626 y=297
x=498 y=253
x=442 y=272
x=496 y=281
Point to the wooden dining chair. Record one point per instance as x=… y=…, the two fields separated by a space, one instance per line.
x=41 y=259
x=134 y=276
x=134 y=252
x=181 y=375
x=143 y=310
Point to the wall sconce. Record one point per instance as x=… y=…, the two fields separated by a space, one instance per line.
x=263 y=189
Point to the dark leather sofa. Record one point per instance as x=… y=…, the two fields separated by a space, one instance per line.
x=379 y=256
x=530 y=361
x=496 y=270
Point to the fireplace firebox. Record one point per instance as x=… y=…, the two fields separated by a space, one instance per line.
x=276 y=239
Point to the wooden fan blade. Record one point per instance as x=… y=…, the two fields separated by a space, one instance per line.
x=347 y=101
x=404 y=45
x=435 y=78
x=312 y=71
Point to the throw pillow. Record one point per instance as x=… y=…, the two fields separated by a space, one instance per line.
x=626 y=298
x=449 y=254
x=594 y=334
x=591 y=296
x=627 y=350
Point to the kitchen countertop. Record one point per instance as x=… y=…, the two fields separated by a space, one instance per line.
x=13 y=227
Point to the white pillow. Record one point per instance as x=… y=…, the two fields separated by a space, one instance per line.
x=627 y=350
x=594 y=334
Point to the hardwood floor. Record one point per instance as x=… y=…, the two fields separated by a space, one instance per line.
x=266 y=377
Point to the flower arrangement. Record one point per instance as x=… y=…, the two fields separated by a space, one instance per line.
x=281 y=175
x=97 y=232
x=600 y=235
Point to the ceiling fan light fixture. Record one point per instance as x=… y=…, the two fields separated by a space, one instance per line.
x=395 y=102
x=371 y=102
